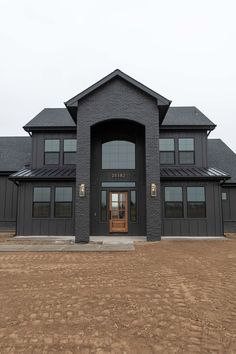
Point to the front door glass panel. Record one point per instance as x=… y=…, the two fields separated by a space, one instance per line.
x=118 y=212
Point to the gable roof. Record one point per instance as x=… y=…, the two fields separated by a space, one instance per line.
x=186 y=116
x=221 y=156
x=15 y=152
x=162 y=102
x=51 y=118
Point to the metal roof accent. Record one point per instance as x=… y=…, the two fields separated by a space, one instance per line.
x=193 y=173
x=45 y=173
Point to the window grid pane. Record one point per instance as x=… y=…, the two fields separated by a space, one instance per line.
x=173 y=194
x=63 y=210
x=63 y=194
x=167 y=145
x=42 y=194
x=69 y=158
x=167 y=157
x=186 y=157
x=186 y=144
x=51 y=158
x=118 y=154
x=52 y=145
x=195 y=194
x=70 y=145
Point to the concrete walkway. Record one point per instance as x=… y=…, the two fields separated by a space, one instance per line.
x=76 y=247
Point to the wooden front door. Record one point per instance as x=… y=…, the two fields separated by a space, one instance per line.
x=118 y=203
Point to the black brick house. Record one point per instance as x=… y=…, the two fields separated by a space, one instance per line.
x=118 y=160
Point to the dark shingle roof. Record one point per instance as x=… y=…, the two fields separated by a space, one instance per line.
x=51 y=118
x=15 y=152
x=221 y=156
x=45 y=173
x=192 y=173
x=185 y=116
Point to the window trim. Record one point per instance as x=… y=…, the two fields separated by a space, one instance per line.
x=182 y=203
x=50 y=203
x=136 y=207
x=69 y=152
x=52 y=152
x=193 y=151
x=168 y=151
x=196 y=202
x=63 y=202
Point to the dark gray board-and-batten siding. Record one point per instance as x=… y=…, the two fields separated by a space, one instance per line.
x=8 y=201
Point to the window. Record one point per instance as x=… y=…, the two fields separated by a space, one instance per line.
x=118 y=154
x=167 y=151
x=103 y=210
x=51 y=152
x=173 y=202
x=69 y=151
x=41 y=202
x=133 y=208
x=196 y=203
x=118 y=184
x=224 y=196
x=186 y=151
x=63 y=202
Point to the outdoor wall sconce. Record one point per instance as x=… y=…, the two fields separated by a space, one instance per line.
x=153 y=190
x=82 y=190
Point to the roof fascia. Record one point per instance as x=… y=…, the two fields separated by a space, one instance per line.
x=187 y=127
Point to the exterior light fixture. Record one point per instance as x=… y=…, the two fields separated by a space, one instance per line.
x=153 y=190
x=82 y=190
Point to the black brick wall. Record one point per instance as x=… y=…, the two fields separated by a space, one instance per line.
x=118 y=99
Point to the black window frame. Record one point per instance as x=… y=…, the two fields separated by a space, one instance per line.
x=135 y=206
x=103 y=220
x=48 y=153
x=172 y=152
x=191 y=203
x=105 y=162
x=63 y=202
x=174 y=203
x=69 y=152
x=186 y=151
x=48 y=203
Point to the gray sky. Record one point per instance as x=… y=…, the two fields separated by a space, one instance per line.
x=51 y=50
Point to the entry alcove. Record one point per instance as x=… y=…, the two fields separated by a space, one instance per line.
x=117 y=169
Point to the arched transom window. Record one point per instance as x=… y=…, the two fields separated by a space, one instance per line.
x=118 y=154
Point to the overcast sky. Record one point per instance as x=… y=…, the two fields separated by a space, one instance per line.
x=51 y=50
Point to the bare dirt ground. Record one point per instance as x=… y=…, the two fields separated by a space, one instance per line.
x=167 y=297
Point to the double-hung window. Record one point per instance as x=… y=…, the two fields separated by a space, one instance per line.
x=63 y=202
x=196 y=202
x=69 y=151
x=186 y=151
x=41 y=202
x=167 y=151
x=51 y=152
x=174 y=202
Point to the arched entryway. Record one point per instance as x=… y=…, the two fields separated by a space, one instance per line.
x=117 y=178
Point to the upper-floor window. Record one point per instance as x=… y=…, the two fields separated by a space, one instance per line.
x=186 y=151
x=69 y=151
x=52 y=151
x=167 y=151
x=118 y=154
x=41 y=202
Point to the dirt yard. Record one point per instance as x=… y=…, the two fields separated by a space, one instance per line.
x=168 y=297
